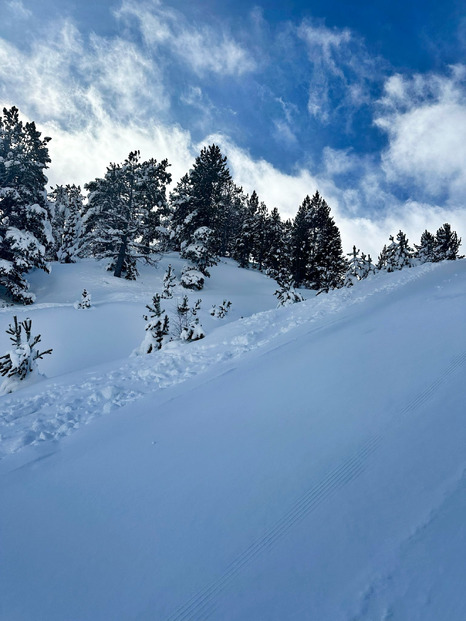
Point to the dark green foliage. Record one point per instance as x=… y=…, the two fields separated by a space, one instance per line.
x=25 y=231
x=425 y=250
x=447 y=244
x=316 y=255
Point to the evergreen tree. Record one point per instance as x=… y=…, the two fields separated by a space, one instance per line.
x=246 y=237
x=425 y=250
x=302 y=241
x=220 y=311
x=188 y=327
x=382 y=260
x=169 y=283
x=317 y=259
x=123 y=212
x=85 y=301
x=202 y=201
x=25 y=230
x=157 y=328
x=287 y=293
x=275 y=259
x=200 y=251
x=67 y=209
x=446 y=244
x=359 y=267
x=398 y=254
x=21 y=361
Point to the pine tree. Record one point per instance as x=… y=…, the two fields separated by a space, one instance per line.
x=317 y=259
x=123 y=213
x=67 y=209
x=85 y=301
x=246 y=237
x=188 y=327
x=446 y=244
x=220 y=311
x=287 y=293
x=157 y=328
x=425 y=250
x=275 y=259
x=21 y=361
x=169 y=283
x=200 y=251
x=398 y=254
x=202 y=205
x=25 y=230
x=360 y=267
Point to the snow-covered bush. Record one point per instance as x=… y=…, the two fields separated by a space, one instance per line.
x=21 y=361
x=85 y=301
x=287 y=294
x=193 y=332
x=191 y=278
x=188 y=327
x=157 y=327
x=220 y=311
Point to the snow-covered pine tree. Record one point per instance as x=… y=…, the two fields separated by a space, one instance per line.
x=316 y=254
x=25 y=230
x=447 y=244
x=194 y=331
x=85 y=301
x=188 y=327
x=200 y=203
x=67 y=209
x=245 y=241
x=157 y=328
x=275 y=258
x=169 y=283
x=398 y=253
x=123 y=213
x=21 y=361
x=287 y=294
x=220 y=311
x=425 y=250
x=301 y=242
x=200 y=251
x=359 y=267
x=382 y=260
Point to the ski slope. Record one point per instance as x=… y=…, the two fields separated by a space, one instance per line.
x=298 y=463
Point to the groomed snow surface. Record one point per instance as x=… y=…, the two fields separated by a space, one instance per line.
x=302 y=463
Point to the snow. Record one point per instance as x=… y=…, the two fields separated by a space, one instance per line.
x=297 y=463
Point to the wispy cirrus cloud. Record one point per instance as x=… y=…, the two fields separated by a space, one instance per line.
x=204 y=48
x=342 y=70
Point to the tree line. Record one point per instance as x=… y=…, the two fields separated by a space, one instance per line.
x=128 y=216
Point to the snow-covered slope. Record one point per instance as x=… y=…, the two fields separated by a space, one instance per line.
x=300 y=463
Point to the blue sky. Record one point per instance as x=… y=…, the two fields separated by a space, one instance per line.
x=365 y=101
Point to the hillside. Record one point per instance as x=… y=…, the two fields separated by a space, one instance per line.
x=297 y=463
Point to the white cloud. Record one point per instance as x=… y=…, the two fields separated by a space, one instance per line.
x=425 y=119
x=203 y=48
x=82 y=155
x=17 y=8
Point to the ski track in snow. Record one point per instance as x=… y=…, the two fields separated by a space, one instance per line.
x=202 y=605
x=57 y=408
